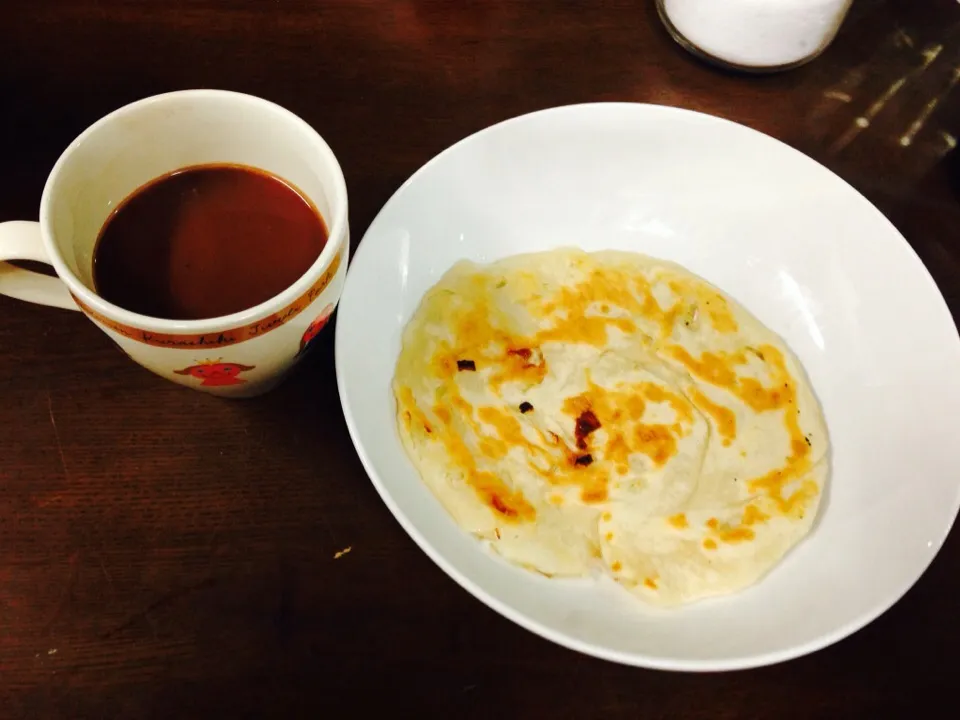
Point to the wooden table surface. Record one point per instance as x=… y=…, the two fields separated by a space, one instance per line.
x=168 y=554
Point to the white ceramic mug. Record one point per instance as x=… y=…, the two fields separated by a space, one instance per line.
x=236 y=355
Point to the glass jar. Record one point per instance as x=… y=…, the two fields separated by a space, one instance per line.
x=754 y=35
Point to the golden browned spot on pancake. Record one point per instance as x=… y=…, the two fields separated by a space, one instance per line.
x=556 y=500
x=616 y=566
x=730 y=534
x=650 y=583
x=656 y=442
x=716 y=307
x=607 y=517
x=752 y=515
x=492 y=448
x=618 y=452
x=714 y=368
x=679 y=521
x=609 y=536
x=509 y=504
x=506 y=425
x=443 y=363
x=727 y=533
x=412 y=415
x=457 y=401
x=561 y=466
x=709 y=544
x=798 y=462
x=665 y=318
x=603 y=288
x=707 y=301
x=760 y=398
x=576 y=405
x=595 y=493
x=780 y=395
x=480 y=341
x=635 y=407
x=658 y=394
x=723 y=417
x=736 y=534
x=576 y=325
x=519 y=364
x=651 y=309
x=586 y=329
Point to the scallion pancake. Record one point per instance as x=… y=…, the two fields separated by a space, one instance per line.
x=610 y=410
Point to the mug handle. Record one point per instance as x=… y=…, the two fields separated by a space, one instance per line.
x=20 y=240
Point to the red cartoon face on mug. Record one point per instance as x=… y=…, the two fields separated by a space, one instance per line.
x=314 y=328
x=216 y=373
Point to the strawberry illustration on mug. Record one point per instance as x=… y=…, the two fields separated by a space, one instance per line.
x=314 y=328
x=215 y=373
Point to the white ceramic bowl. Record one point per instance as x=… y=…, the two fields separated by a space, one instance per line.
x=796 y=245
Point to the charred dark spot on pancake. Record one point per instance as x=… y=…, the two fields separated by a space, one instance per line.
x=583 y=460
x=586 y=424
x=525 y=407
x=525 y=353
x=466 y=365
x=807 y=438
x=554 y=438
x=426 y=426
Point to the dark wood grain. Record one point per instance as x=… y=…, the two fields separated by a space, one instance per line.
x=167 y=554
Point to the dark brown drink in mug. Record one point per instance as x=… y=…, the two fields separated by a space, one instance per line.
x=206 y=241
